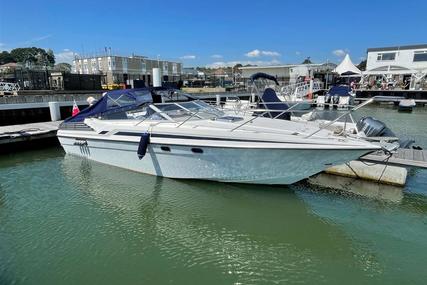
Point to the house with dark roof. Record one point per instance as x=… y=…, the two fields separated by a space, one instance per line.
x=397 y=59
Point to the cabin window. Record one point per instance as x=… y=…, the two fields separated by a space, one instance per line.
x=386 y=56
x=420 y=55
x=197 y=150
x=165 y=148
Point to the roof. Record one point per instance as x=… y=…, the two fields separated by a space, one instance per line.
x=346 y=66
x=397 y=48
x=10 y=64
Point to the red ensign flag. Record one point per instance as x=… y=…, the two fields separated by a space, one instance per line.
x=76 y=109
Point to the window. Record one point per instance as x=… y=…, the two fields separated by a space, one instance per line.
x=420 y=55
x=386 y=56
x=100 y=63
x=197 y=150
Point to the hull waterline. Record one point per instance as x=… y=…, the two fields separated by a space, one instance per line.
x=224 y=164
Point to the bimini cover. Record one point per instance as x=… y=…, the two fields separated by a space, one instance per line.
x=114 y=101
x=339 y=90
x=263 y=75
x=271 y=102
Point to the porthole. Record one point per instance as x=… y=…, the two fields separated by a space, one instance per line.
x=197 y=150
x=165 y=148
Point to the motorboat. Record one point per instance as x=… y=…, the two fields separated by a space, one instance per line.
x=133 y=129
x=340 y=96
x=293 y=94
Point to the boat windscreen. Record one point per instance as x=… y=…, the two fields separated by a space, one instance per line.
x=113 y=102
x=177 y=111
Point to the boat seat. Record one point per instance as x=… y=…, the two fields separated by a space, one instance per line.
x=270 y=96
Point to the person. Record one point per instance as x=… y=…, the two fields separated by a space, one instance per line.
x=90 y=100
x=353 y=85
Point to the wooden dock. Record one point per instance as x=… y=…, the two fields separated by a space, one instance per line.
x=27 y=132
x=402 y=157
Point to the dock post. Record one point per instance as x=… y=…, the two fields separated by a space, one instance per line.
x=218 y=99
x=55 y=112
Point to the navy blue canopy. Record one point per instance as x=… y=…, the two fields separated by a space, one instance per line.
x=272 y=102
x=265 y=76
x=339 y=90
x=115 y=101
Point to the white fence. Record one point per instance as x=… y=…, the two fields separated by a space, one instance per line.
x=302 y=89
x=9 y=87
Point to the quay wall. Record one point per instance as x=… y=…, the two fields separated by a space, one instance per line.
x=32 y=107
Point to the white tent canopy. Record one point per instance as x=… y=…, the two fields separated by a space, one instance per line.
x=347 y=66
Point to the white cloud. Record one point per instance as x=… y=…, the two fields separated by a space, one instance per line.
x=257 y=53
x=298 y=53
x=37 y=39
x=339 y=52
x=65 y=55
x=216 y=56
x=188 y=56
x=254 y=53
x=244 y=62
x=270 y=53
x=41 y=38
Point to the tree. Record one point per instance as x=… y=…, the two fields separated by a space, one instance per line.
x=362 y=65
x=236 y=68
x=50 y=57
x=307 y=61
x=63 y=66
x=6 y=57
x=33 y=55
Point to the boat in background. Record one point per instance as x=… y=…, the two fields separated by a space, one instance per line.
x=132 y=129
x=339 y=96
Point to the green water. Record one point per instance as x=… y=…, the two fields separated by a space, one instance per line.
x=64 y=220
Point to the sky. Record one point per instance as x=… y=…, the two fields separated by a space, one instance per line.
x=214 y=33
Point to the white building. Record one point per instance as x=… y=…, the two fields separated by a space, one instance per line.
x=399 y=61
x=288 y=73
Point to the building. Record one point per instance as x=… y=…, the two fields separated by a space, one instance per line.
x=124 y=70
x=71 y=81
x=399 y=63
x=412 y=57
x=34 y=78
x=289 y=73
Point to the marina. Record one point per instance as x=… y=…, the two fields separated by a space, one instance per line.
x=194 y=142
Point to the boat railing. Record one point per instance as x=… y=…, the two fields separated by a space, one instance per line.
x=262 y=114
x=348 y=113
x=165 y=115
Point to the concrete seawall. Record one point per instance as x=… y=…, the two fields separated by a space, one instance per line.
x=31 y=107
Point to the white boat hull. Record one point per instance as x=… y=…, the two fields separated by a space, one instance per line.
x=226 y=164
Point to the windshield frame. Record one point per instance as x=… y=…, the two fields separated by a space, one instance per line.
x=199 y=109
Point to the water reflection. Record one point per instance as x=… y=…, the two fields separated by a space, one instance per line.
x=243 y=233
x=66 y=220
